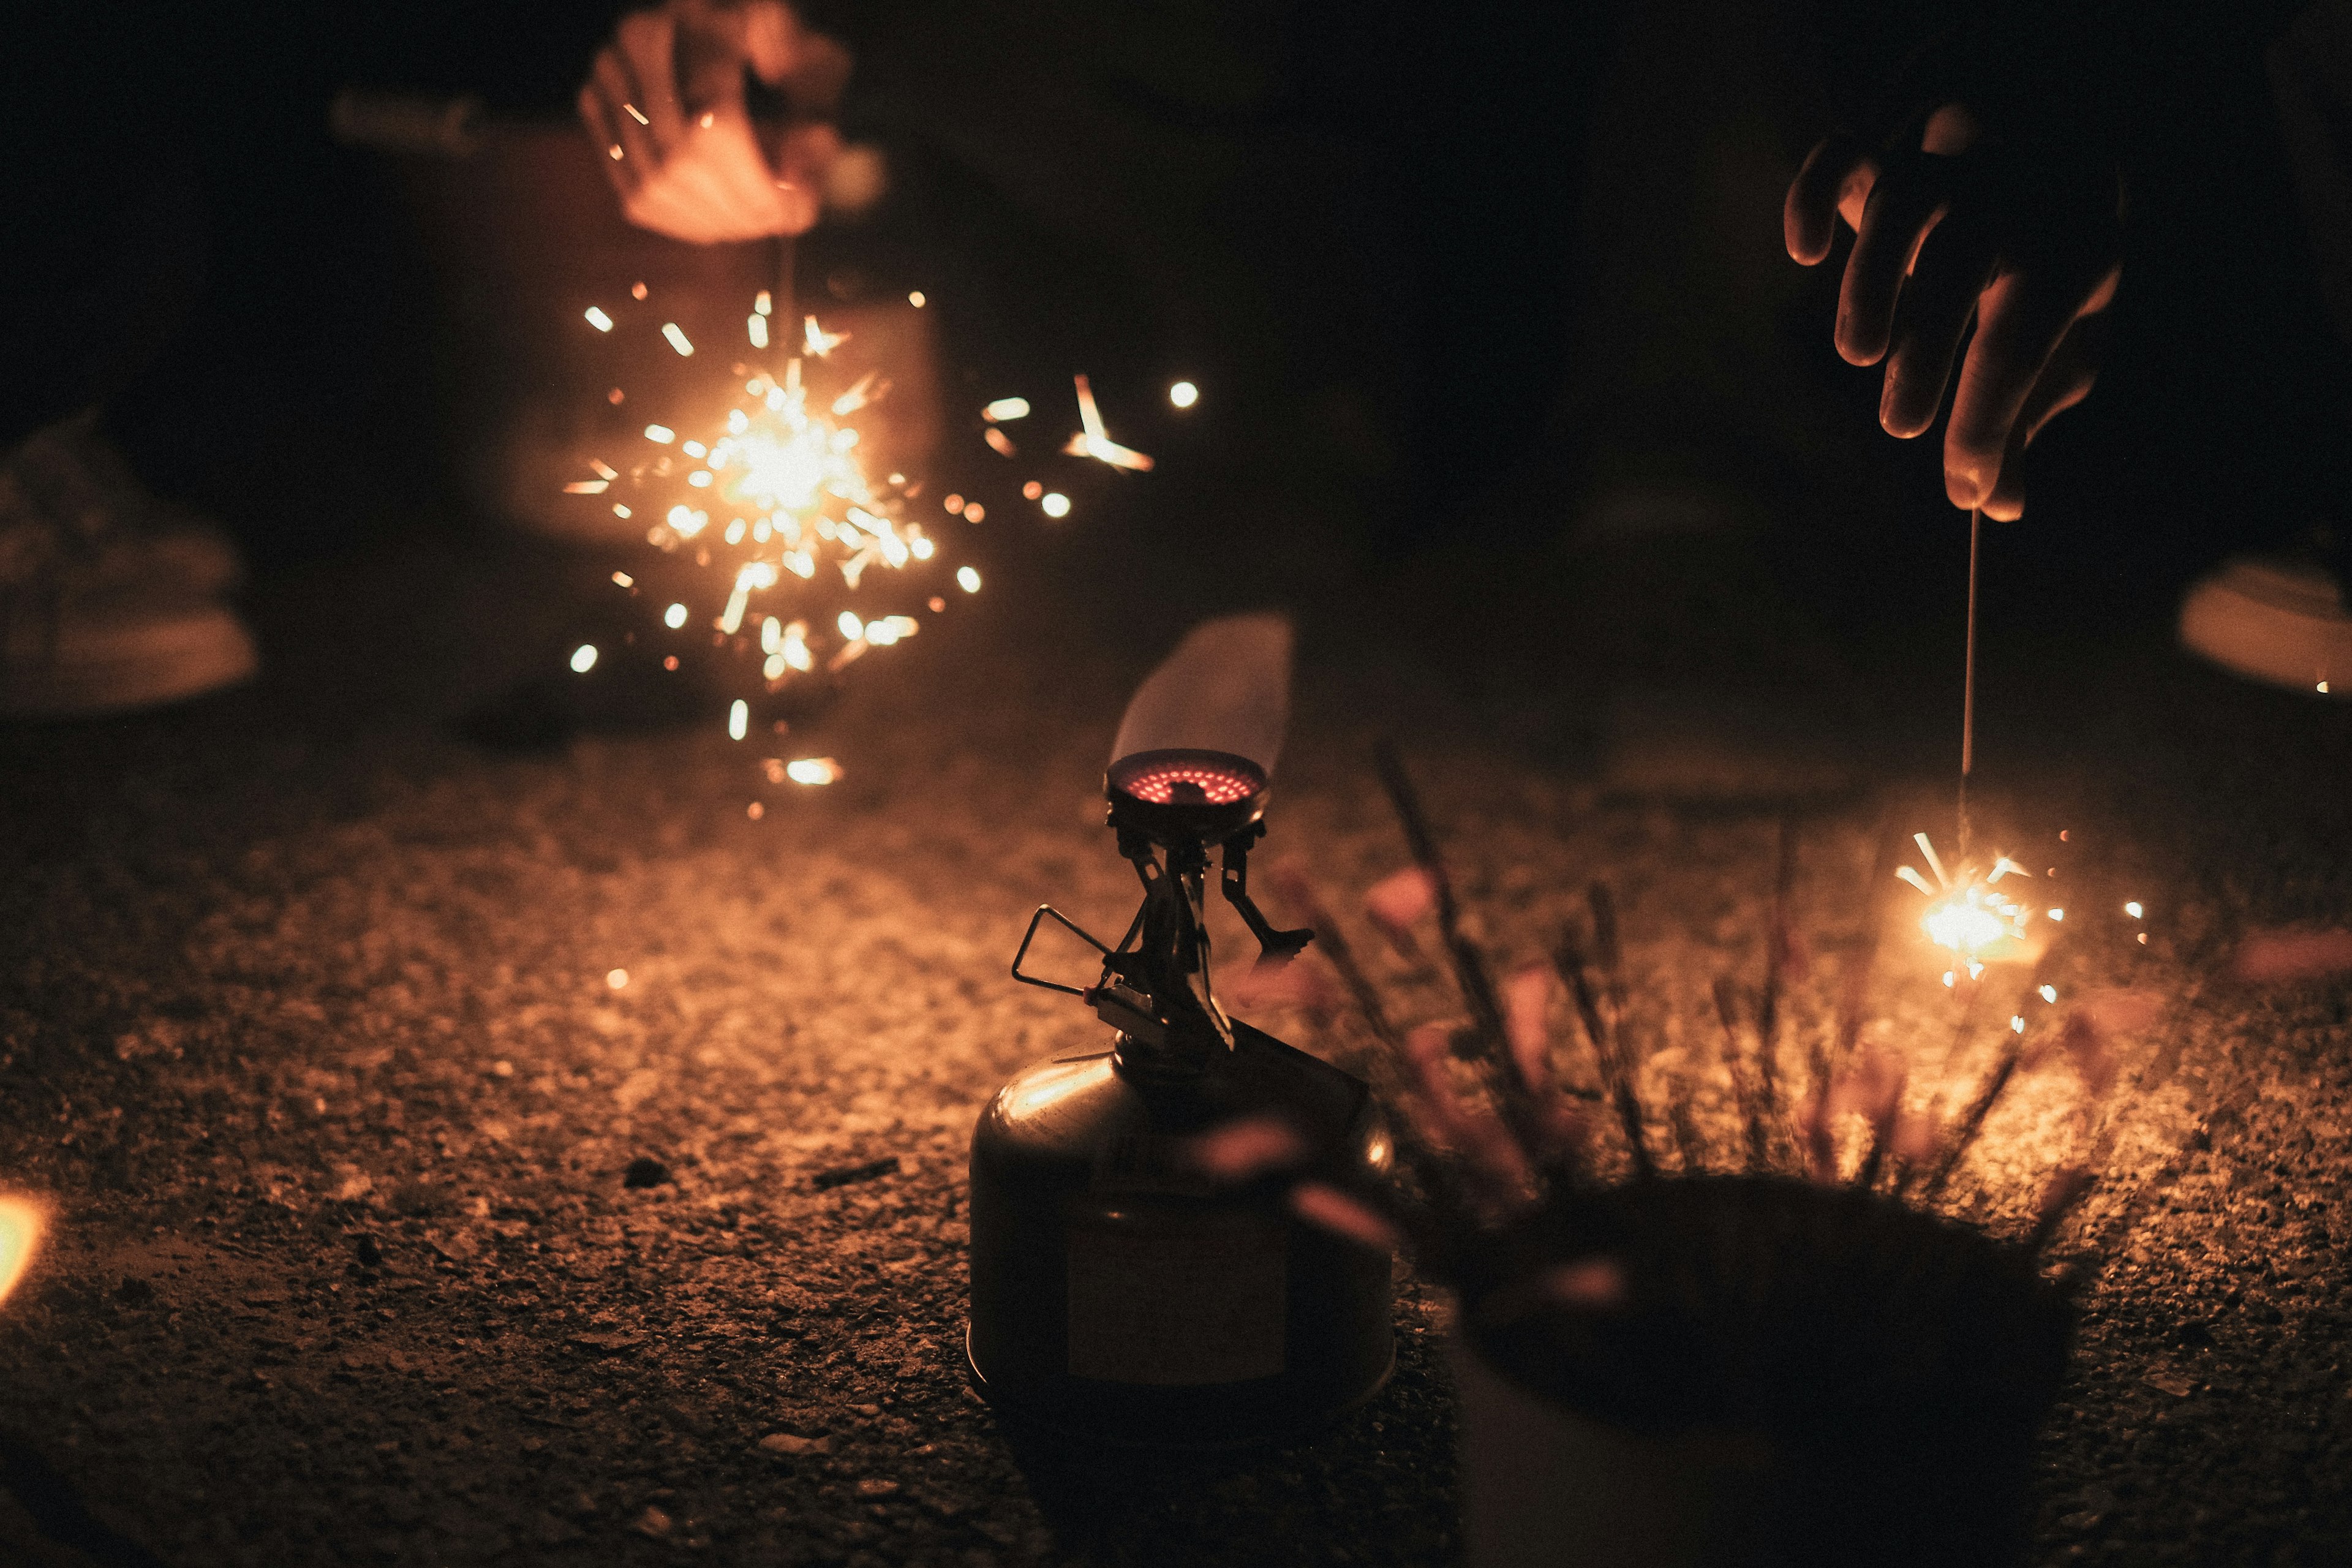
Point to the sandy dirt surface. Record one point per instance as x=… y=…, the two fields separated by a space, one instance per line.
x=312 y=1038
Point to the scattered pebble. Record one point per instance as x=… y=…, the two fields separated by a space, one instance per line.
x=645 y=1171
x=844 y=1176
x=652 y=1524
x=787 y=1443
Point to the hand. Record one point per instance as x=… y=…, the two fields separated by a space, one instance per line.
x=1959 y=228
x=664 y=100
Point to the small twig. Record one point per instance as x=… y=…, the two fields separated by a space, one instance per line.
x=1854 y=997
x=2067 y=1189
x=1470 y=971
x=1972 y=1120
x=1883 y=1118
x=1568 y=958
x=1332 y=944
x=1744 y=1092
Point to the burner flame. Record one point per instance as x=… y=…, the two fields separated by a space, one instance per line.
x=1190 y=784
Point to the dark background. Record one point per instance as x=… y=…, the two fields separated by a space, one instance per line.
x=182 y=182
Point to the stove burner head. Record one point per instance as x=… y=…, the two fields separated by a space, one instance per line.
x=1186 y=797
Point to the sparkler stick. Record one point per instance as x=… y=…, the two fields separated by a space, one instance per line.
x=1969 y=684
x=786 y=302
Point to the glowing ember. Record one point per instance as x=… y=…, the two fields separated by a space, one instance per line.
x=20 y=1237
x=583 y=659
x=1183 y=394
x=813 y=771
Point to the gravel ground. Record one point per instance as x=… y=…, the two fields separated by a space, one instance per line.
x=387 y=1228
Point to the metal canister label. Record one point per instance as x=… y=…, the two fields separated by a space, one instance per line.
x=1176 y=1299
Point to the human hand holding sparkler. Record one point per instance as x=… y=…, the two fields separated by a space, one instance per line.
x=665 y=101
x=1954 y=226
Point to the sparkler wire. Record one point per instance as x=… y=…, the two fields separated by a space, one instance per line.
x=785 y=303
x=1969 y=684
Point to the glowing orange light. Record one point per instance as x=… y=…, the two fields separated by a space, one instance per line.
x=1093 y=439
x=20 y=1237
x=1969 y=915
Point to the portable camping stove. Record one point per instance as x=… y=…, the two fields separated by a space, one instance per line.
x=1117 y=1293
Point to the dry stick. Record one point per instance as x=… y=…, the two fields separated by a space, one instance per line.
x=1470 y=971
x=1412 y=1148
x=1971 y=1121
x=1522 y=1113
x=1769 y=1003
x=1881 y=1135
x=1824 y=1063
x=1744 y=1092
x=1688 y=1143
x=1333 y=944
x=1568 y=958
x=1855 y=994
x=1622 y=1040
x=2067 y=1189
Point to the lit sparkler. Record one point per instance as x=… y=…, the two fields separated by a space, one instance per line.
x=776 y=499
x=1971 y=914
x=778 y=486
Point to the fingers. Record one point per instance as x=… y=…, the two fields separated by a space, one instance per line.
x=710 y=58
x=616 y=91
x=1904 y=204
x=646 y=44
x=1931 y=315
x=2065 y=380
x=772 y=40
x=1837 y=169
x=808 y=151
x=597 y=116
x=2020 y=319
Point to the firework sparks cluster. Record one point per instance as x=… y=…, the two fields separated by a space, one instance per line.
x=776 y=498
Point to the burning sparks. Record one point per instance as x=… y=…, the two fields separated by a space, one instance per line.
x=772 y=496
x=1970 y=916
x=1183 y=394
x=1093 y=439
x=20 y=1237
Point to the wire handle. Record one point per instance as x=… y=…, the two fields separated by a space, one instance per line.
x=1029 y=936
